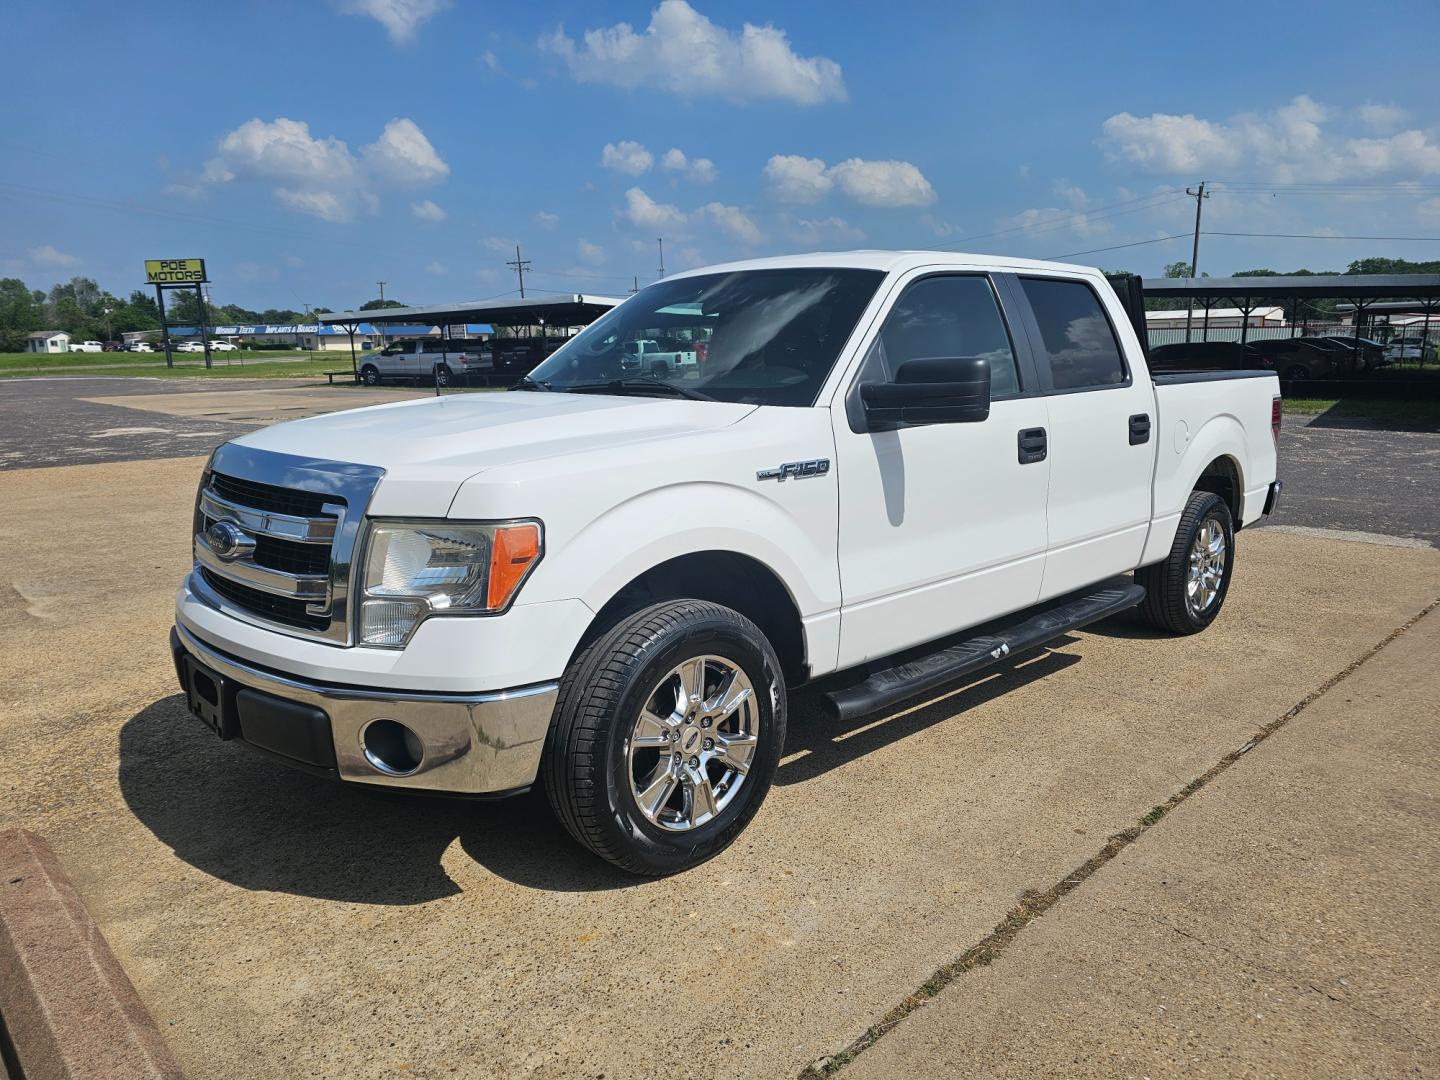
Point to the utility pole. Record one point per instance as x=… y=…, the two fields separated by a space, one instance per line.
x=634 y=284
x=1199 y=195
x=382 y=285
x=520 y=265
x=661 y=241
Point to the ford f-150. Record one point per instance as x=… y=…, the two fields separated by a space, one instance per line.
x=893 y=469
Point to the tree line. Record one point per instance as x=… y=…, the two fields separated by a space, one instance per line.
x=88 y=313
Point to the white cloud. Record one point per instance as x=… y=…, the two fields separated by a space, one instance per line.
x=321 y=176
x=630 y=158
x=404 y=156
x=823 y=231
x=685 y=53
x=328 y=205
x=733 y=221
x=545 y=219
x=1295 y=142
x=796 y=179
x=883 y=183
x=426 y=210
x=593 y=254
x=401 y=18
x=1382 y=119
x=700 y=170
x=938 y=226
x=644 y=212
x=48 y=255
x=437 y=268
x=497 y=243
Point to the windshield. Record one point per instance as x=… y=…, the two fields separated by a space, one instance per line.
x=761 y=337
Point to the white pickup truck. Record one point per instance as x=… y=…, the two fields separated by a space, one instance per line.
x=431 y=360
x=892 y=470
x=86 y=346
x=646 y=357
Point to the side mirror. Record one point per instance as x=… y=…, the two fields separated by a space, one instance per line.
x=930 y=390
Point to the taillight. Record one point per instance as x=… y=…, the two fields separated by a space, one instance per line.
x=702 y=350
x=1275 y=420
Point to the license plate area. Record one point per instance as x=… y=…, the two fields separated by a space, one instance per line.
x=210 y=698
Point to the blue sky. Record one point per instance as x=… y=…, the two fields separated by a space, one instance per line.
x=308 y=150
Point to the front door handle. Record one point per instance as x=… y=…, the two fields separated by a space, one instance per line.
x=1033 y=445
x=1139 y=429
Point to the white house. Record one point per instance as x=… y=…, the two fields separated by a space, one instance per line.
x=48 y=341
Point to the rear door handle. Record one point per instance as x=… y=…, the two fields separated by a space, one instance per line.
x=1033 y=445
x=1139 y=429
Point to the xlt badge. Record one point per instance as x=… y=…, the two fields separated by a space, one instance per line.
x=797 y=469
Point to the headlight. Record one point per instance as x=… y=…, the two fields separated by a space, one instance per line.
x=417 y=569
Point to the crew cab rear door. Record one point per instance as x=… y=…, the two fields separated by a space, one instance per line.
x=942 y=525
x=1102 y=432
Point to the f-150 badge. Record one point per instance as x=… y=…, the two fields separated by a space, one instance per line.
x=797 y=469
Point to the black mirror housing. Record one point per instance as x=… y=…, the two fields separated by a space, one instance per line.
x=930 y=390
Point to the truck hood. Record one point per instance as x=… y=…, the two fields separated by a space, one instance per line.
x=429 y=447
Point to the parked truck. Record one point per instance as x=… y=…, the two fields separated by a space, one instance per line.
x=892 y=470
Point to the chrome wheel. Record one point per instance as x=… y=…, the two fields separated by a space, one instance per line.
x=1209 y=554
x=690 y=749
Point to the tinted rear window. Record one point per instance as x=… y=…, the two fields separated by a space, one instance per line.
x=1078 y=338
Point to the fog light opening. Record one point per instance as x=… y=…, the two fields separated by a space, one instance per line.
x=391 y=747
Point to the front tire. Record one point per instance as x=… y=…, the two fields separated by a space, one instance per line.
x=370 y=375
x=667 y=733
x=1184 y=593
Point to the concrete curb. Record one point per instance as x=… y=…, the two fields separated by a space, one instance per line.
x=68 y=1008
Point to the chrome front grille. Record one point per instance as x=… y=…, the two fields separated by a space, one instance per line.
x=286 y=558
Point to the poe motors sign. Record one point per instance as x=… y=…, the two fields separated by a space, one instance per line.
x=175 y=271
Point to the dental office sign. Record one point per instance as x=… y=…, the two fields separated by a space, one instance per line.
x=175 y=272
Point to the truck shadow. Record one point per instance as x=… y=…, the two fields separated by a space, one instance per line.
x=815 y=743
x=236 y=815
x=233 y=813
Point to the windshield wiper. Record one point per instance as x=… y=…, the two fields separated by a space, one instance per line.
x=527 y=383
x=642 y=383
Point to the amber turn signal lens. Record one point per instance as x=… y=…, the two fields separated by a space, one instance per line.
x=514 y=551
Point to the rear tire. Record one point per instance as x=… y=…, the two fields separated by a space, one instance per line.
x=625 y=692
x=1184 y=594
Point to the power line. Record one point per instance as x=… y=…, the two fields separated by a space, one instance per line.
x=1117 y=247
x=1324 y=236
x=1155 y=198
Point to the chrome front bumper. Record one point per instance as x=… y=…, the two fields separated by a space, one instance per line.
x=474 y=744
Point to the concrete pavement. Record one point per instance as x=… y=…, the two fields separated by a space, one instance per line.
x=1282 y=921
x=274 y=925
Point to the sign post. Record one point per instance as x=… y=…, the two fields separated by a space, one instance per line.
x=178 y=274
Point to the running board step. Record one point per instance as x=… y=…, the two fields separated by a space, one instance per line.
x=1026 y=630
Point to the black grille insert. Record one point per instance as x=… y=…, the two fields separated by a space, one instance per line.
x=280 y=609
x=276 y=500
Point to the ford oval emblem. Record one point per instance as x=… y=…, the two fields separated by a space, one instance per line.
x=228 y=541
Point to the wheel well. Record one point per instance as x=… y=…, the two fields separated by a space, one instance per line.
x=737 y=581
x=1222 y=477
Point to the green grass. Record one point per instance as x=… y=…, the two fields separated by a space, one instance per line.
x=256 y=365
x=1421 y=413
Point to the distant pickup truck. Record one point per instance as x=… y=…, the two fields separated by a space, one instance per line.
x=86 y=346
x=427 y=360
x=891 y=471
x=648 y=357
